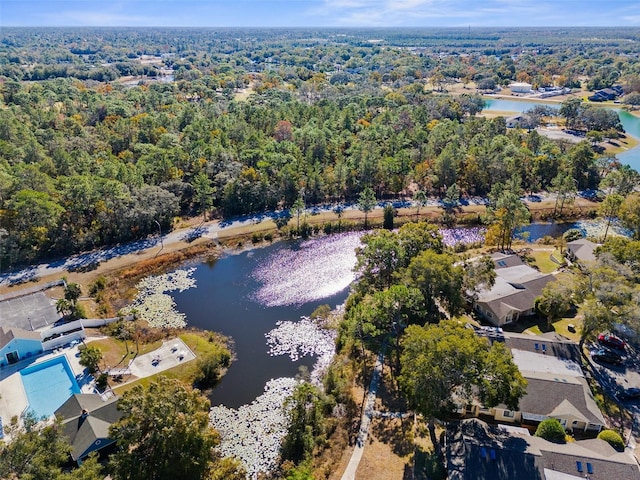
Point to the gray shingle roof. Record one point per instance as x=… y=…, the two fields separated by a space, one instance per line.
x=84 y=430
x=524 y=457
x=8 y=334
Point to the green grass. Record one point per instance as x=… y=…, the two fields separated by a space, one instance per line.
x=200 y=343
x=542 y=260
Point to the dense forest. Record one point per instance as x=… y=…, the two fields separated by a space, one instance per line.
x=231 y=122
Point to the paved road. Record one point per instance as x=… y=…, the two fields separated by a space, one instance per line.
x=207 y=230
x=367 y=414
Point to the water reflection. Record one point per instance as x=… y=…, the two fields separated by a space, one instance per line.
x=307 y=271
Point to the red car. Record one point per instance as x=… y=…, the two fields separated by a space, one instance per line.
x=611 y=341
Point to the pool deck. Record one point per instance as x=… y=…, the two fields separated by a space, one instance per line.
x=13 y=399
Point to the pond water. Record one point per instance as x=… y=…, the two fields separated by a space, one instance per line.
x=243 y=295
x=630 y=122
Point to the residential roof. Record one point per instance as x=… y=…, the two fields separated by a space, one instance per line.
x=516 y=286
x=8 y=334
x=583 y=249
x=481 y=452
x=87 y=418
x=542 y=363
x=564 y=396
x=477 y=451
x=551 y=343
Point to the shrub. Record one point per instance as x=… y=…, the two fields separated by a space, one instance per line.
x=551 y=430
x=209 y=367
x=256 y=237
x=613 y=438
x=572 y=234
x=97 y=286
x=101 y=381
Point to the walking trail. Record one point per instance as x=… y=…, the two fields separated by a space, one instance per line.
x=367 y=414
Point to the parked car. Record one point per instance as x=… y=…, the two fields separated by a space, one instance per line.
x=604 y=355
x=611 y=341
x=627 y=394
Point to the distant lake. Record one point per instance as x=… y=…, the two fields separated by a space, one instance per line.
x=630 y=122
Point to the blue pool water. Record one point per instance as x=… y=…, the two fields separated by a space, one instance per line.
x=48 y=385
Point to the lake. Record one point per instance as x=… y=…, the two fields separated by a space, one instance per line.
x=630 y=122
x=244 y=295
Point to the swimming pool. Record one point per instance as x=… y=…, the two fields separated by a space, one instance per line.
x=48 y=385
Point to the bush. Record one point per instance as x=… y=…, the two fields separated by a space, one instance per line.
x=97 y=286
x=551 y=430
x=613 y=438
x=209 y=367
x=256 y=238
x=572 y=234
x=101 y=381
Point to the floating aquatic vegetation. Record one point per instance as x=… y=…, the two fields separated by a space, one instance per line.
x=316 y=269
x=154 y=305
x=253 y=433
x=302 y=338
x=462 y=235
x=596 y=228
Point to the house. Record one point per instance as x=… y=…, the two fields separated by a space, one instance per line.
x=607 y=94
x=86 y=419
x=556 y=388
x=478 y=451
x=513 y=295
x=520 y=87
x=517 y=121
x=17 y=344
x=582 y=250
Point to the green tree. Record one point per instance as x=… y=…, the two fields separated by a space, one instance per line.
x=564 y=186
x=204 y=193
x=630 y=214
x=610 y=210
x=388 y=213
x=421 y=200
x=72 y=293
x=551 y=430
x=90 y=358
x=366 y=203
x=479 y=274
x=164 y=433
x=40 y=453
x=445 y=365
x=505 y=215
x=298 y=207
x=440 y=280
x=613 y=438
x=570 y=110
x=307 y=408
x=379 y=257
x=554 y=302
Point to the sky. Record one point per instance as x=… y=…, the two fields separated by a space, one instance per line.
x=319 y=13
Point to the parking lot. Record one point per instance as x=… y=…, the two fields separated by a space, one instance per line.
x=28 y=312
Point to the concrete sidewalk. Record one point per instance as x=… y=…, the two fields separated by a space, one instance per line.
x=367 y=414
